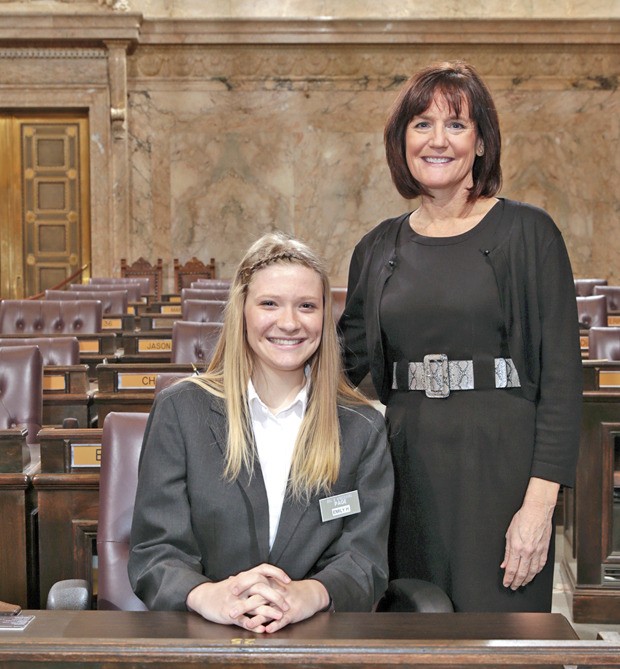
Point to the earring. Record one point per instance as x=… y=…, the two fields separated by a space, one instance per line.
x=480 y=151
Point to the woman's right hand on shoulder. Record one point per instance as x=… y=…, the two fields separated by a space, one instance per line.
x=247 y=599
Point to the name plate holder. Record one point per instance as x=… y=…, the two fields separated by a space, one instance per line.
x=171 y=309
x=112 y=323
x=64 y=450
x=135 y=381
x=155 y=345
x=97 y=343
x=119 y=379
x=85 y=456
x=609 y=379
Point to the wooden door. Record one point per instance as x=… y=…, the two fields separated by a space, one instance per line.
x=44 y=201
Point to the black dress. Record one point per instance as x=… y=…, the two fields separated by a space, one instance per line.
x=462 y=463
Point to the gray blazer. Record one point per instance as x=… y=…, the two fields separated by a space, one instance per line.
x=191 y=526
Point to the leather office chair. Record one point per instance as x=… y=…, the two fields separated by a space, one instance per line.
x=203 y=311
x=121 y=446
x=133 y=289
x=612 y=294
x=113 y=302
x=113 y=283
x=211 y=284
x=194 y=342
x=604 y=343
x=120 y=452
x=584 y=287
x=592 y=311
x=55 y=351
x=50 y=317
x=21 y=389
x=205 y=294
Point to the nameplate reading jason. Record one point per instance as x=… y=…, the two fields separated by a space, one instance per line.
x=149 y=345
x=338 y=506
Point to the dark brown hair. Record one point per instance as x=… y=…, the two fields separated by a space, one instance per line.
x=457 y=82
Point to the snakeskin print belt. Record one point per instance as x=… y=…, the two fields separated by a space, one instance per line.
x=437 y=375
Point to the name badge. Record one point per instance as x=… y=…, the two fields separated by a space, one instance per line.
x=345 y=504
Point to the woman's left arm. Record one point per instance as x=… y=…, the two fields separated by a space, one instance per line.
x=558 y=419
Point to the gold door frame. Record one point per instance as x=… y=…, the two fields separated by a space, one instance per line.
x=15 y=258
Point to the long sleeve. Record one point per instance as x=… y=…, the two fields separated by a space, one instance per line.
x=558 y=412
x=353 y=567
x=165 y=561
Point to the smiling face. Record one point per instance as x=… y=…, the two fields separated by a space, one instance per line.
x=284 y=319
x=441 y=148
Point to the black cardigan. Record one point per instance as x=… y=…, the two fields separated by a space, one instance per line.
x=537 y=294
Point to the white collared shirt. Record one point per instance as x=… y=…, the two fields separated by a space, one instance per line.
x=275 y=437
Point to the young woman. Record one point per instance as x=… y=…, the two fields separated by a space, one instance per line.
x=265 y=484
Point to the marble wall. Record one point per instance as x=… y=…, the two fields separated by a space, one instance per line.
x=216 y=130
x=228 y=141
x=300 y=9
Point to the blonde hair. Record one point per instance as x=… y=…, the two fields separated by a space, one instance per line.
x=316 y=457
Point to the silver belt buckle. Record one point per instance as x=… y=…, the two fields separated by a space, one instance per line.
x=436 y=375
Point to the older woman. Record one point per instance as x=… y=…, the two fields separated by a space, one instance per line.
x=464 y=313
x=265 y=484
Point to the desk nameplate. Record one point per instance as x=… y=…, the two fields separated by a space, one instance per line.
x=89 y=345
x=112 y=323
x=608 y=379
x=170 y=309
x=85 y=455
x=151 y=345
x=584 y=343
x=133 y=381
x=613 y=321
x=54 y=383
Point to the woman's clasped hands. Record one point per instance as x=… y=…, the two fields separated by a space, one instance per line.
x=262 y=599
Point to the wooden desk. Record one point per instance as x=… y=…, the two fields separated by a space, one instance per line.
x=165 y=639
x=591 y=557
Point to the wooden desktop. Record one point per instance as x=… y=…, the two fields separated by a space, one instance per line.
x=164 y=639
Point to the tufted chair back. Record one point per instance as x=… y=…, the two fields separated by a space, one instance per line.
x=584 y=287
x=112 y=301
x=55 y=351
x=120 y=452
x=194 y=342
x=51 y=317
x=205 y=294
x=211 y=284
x=592 y=311
x=612 y=294
x=203 y=311
x=21 y=389
x=114 y=283
x=604 y=343
x=133 y=289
